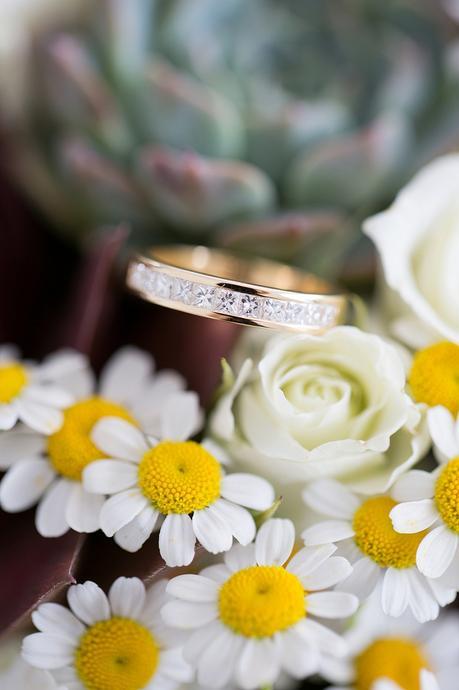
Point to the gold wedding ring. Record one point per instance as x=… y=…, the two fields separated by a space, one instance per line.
x=220 y=285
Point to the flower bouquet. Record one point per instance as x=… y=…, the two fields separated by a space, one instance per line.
x=253 y=482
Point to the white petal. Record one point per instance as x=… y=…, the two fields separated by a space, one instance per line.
x=211 y=531
x=413 y=486
x=414 y=516
x=332 y=604
x=148 y=405
x=83 y=510
x=327 y=532
x=248 y=490
x=187 y=615
x=309 y=558
x=442 y=429
x=120 y=509
x=436 y=551
x=443 y=593
x=173 y=665
x=8 y=416
x=181 y=416
x=327 y=640
x=238 y=519
x=109 y=476
x=216 y=451
x=274 y=542
x=59 y=365
x=50 y=516
x=193 y=588
x=47 y=651
x=219 y=573
x=199 y=640
x=58 y=620
x=363 y=579
x=299 y=658
x=217 y=663
x=24 y=483
x=41 y=418
x=422 y=601
x=88 y=602
x=18 y=445
x=259 y=663
x=127 y=597
x=117 y=438
x=177 y=540
x=328 y=574
x=133 y=536
x=385 y=684
x=125 y=375
x=428 y=680
x=395 y=592
x=9 y=353
x=240 y=557
x=329 y=497
x=48 y=395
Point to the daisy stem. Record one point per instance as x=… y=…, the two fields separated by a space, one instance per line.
x=266 y=687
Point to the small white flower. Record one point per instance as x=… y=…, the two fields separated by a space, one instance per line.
x=173 y=478
x=428 y=501
x=108 y=642
x=253 y=615
x=363 y=529
x=32 y=393
x=47 y=469
x=387 y=653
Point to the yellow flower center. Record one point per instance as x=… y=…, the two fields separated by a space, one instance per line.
x=434 y=376
x=13 y=378
x=261 y=600
x=398 y=659
x=447 y=494
x=117 y=653
x=179 y=477
x=376 y=537
x=70 y=449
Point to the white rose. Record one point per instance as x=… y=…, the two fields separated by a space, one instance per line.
x=418 y=242
x=322 y=406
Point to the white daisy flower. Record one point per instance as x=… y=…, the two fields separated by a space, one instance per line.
x=428 y=503
x=47 y=469
x=363 y=529
x=108 y=643
x=175 y=478
x=31 y=393
x=387 y=653
x=254 y=615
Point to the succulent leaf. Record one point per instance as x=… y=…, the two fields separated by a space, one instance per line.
x=195 y=193
x=185 y=114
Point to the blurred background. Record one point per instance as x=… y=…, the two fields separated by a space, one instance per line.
x=270 y=128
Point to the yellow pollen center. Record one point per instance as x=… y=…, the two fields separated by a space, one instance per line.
x=116 y=653
x=179 y=477
x=447 y=494
x=70 y=449
x=13 y=378
x=398 y=659
x=261 y=600
x=377 y=539
x=434 y=376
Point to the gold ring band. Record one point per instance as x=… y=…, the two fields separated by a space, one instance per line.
x=220 y=285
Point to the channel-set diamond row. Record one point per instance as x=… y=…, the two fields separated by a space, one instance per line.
x=235 y=303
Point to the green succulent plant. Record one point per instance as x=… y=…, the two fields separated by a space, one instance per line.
x=271 y=127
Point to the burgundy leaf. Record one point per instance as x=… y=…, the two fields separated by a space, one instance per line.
x=33 y=569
